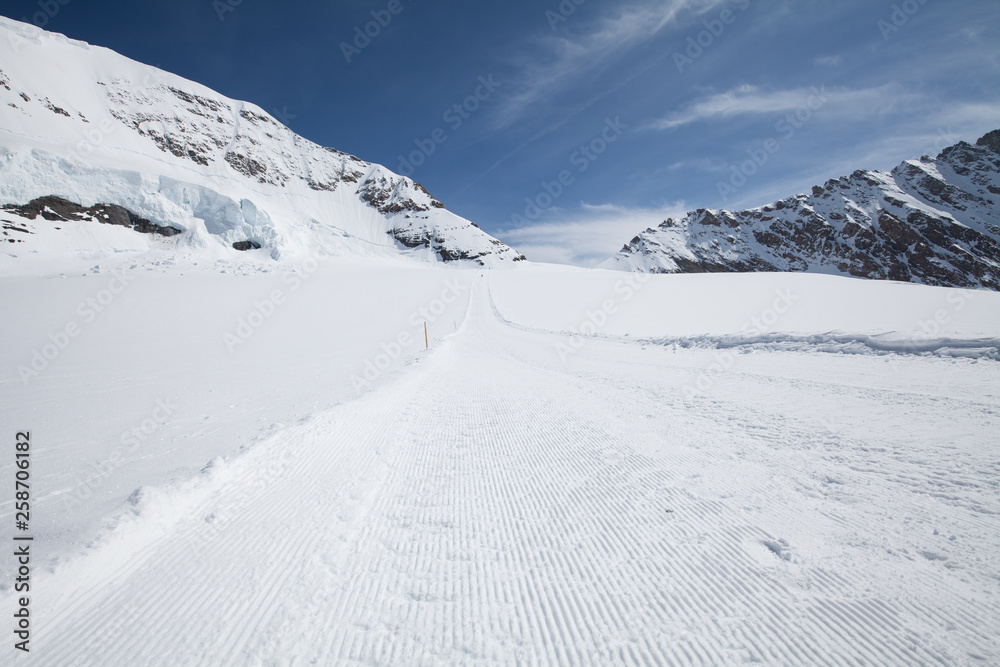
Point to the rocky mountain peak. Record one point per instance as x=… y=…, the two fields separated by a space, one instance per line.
x=990 y=140
x=86 y=125
x=933 y=220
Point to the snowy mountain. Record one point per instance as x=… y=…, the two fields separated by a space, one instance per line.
x=934 y=221
x=97 y=134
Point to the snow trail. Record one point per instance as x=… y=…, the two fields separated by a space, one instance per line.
x=497 y=505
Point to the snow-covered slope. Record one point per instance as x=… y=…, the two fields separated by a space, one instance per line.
x=90 y=126
x=585 y=468
x=934 y=221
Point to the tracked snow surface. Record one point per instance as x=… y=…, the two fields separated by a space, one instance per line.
x=934 y=221
x=586 y=467
x=252 y=457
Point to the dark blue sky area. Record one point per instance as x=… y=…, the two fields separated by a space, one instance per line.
x=641 y=108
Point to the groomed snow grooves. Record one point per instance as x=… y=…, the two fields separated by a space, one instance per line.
x=489 y=509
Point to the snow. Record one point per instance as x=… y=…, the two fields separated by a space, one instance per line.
x=701 y=305
x=955 y=191
x=178 y=153
x=257 y=458
x=524 y=491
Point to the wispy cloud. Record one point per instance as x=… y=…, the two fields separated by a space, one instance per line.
x=558 y=61
x=588 y=236
x=935 y=130
x=747 y=99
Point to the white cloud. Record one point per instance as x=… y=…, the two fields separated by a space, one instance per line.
x=966 y=118
x=588 y=236
x=754 y=100
x=828 y=61
x=934 y=130
x=558 y=61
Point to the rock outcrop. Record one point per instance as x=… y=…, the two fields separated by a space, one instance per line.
x=934 y=221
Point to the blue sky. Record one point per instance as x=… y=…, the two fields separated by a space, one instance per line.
x=593 y=120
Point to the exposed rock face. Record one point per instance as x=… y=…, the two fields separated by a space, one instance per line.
x=58 y=209
x=221 y=170
x=257 y=147
x=7 y=227
x=446 y=249
x=934 y=221
x=243 y=246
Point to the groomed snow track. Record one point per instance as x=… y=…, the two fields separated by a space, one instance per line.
x=494 y=506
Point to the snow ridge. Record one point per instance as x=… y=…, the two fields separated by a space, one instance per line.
x=93 y=127
x=846 y=343
x=934 y=221
x=835 y=342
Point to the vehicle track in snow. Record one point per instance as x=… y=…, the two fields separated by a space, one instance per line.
x=492 y=505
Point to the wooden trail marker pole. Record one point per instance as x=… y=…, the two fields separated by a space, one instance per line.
x=427 y=344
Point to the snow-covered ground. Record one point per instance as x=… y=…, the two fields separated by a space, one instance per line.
x=587 y=467
x=94 y=127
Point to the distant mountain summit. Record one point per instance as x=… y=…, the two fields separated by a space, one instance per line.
x=91 y=132
x=934 y=221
